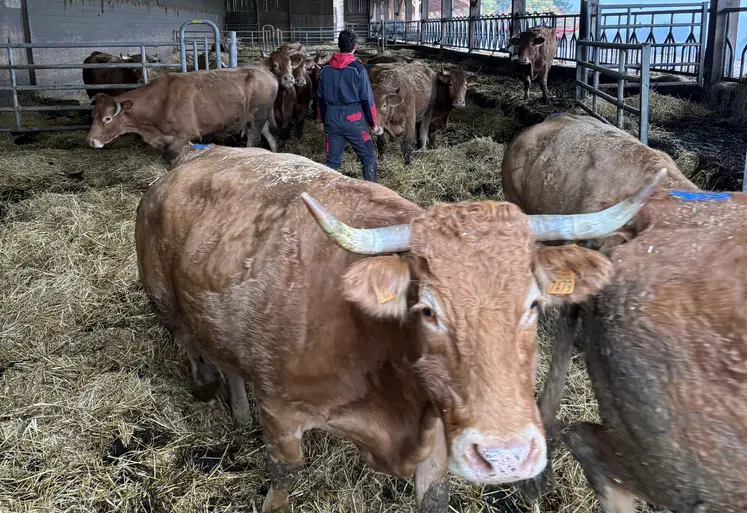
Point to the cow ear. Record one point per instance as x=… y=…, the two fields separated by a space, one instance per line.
x=392 y=100
x=126 y=104
x=472 y=79
x=514 y=41
x=378 y=286
x=444 y=78
x=570 y=273
x=538 y=41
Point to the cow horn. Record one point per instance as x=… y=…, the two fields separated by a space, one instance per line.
x=596 y=224
x=372 y=241
x=263 y=54
x=118 y=109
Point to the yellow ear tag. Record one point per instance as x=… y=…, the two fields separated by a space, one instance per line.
x=385 y=297
x=564 y=284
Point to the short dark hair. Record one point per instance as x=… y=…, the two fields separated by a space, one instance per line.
x=347 y=40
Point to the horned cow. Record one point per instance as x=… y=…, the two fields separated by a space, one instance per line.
x=536 y=49
x=107 y=76
x=404 y=335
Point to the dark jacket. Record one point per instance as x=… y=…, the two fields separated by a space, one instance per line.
x=344 y=81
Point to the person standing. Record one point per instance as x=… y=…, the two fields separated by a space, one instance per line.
x=346 y=107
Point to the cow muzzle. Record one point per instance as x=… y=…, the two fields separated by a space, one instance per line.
x=458 y=103
x=300 y=82
x=95 y=143
x=524 y=61
x=287 y=81
x=489 y=459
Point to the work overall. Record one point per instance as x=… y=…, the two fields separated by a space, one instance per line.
x=344 y=123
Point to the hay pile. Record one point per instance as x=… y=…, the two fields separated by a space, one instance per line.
x=96 y=411
x=663 y=109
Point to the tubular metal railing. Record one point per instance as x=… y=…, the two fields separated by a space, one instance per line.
x=14 y=87
x=734 y=53
x=594 y=64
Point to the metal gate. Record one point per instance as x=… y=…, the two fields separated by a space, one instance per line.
x=17 y=91
x=272 y=38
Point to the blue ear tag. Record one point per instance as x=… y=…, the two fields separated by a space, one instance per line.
x=196 y=146
x=700 y=195
x=554 y=114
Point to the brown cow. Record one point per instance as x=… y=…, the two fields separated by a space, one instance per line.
x=382 y=59
x=304 y=94
x=179 y=107
x=607 y=163
x=106 y=76
x=279 y=63
x=536 y=52
x=665 y=345
x=405 y=95
x=451 y=93
x=406 y=335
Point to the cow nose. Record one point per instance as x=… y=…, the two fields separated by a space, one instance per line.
x=95 y=143
x=523 y=60
x=494 y=460
x=300 y=82
x=288 y=81
x=458 y=103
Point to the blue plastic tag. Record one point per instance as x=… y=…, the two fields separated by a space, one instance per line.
x=196 y=146
x=700 y=195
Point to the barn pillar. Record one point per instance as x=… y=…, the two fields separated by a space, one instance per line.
x=408 y=10
x=446 y=11
x=713 y=62
x=517 y=7
x=474 y=13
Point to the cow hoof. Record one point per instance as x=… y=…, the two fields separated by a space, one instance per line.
x=243 y=417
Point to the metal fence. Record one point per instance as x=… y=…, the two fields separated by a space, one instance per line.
x=734 y=54
x=482 y=33
x=268 y=38
x=19 y=91
x=594 y=64
x=677 y=33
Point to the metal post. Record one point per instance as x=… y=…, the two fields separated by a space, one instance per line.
x=143 y=60
x=645 y=89
x=14 y=92
x=703 y=41
x=595 y=78
x=196 y=55
x=713 y=61
x=580 y=71
x=216 y=34
x=744 y=176
x=233 y=55
x=207 y=53
x=622 y=56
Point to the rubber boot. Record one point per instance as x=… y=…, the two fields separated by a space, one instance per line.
x=369 y=173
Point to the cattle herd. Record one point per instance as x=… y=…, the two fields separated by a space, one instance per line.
x=411 y=331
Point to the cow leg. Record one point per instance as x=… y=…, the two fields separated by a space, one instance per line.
x=270 y=138
x=527 y=85
x=424 y=126
x=204 y=373
x=409 y=139
x=283 y=431
x=240 y=408
x=381 y=144
x=588 y=445
x=431 y=480
x=543 y=85
x=300 y=124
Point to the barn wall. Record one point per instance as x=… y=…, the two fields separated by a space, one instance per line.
x=82 y=21
x=357 y=11
x=11 y=28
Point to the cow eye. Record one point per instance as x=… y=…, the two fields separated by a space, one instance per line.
x=107 y=119
x=427 y=312
x=534 y=305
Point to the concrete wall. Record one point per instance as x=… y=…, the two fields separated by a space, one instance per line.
x=11 y=28
x=120 y=21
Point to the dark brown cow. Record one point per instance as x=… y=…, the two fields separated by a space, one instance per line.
x=536 y=52
x=320 y=59
x=406 y=336
x=607 y=163
x=665 y=344
x=284 y=109
x=405 y=95
x=451 y=93
x=304 y=94
x=106 y=76
x=179 y=107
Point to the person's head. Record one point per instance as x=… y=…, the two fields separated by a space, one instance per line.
x=347 y=41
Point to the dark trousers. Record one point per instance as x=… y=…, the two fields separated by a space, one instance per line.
x=344 y=125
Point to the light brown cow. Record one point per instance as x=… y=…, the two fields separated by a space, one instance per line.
x=405 y=335
x=536 y=52
x=405 y=95
x=571 y=164
x=665 y=344
x=179 y=107
x=106 y=76
x=451 y=93
x=279 y=63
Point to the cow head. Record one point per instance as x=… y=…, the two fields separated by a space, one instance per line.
x=467 y=280
x=299 y=71
x=458 y=81
x=389 y=108
x=279 y=63
x=527 y=44
x=110 y=119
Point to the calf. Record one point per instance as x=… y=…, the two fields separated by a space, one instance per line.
x=406 y=336
x=179 y=107
x=304 y=94
x=405 y=96
x=451 y=93
x=536 y=52
x=106 y=76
